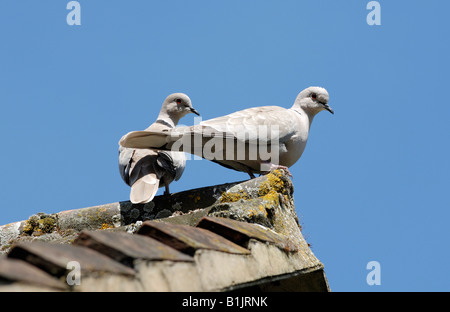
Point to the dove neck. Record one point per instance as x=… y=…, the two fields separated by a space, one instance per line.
x=168 y=118
x=310 y=118
x=305 y=115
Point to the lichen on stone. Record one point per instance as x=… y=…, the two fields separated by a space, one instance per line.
x=30 y=225
x=256 y=204
x=274 y=182
x=231 y=197
x=106 y=226
x=47 y=224
x=39 y=224
x=249 y=211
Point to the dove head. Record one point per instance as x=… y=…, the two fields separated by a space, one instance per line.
x=313 y=100
x=178 y=105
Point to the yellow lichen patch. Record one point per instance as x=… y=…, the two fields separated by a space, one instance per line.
x=231 y=197
x=253 y=212
x=271 y=200
x=263 y=210
x=47 y=224
x=28 y=227
x=39 y=224
x=106 y=226
x=271 y=197
x=273 y=183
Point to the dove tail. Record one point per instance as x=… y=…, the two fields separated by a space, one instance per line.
x=144 y=189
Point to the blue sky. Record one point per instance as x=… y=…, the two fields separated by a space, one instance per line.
x=373 y=181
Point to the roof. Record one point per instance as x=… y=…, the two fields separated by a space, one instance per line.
x=229 y=237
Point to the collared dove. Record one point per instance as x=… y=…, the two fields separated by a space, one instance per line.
x=282 y=131
x=146 y=170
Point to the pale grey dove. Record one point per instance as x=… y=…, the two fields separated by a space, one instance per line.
x=146 y=170
x=285 y=135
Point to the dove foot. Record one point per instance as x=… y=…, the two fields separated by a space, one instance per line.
x=286 y=169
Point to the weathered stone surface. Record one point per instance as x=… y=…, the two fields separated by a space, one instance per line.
x=169 y=276
x=108 y=282
x=91 y=218
x=266 y=261
x=8 y=234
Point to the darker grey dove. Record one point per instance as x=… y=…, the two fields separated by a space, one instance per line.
x=242 y=140
x=146 y=170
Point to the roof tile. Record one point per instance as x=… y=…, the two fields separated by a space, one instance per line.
x=125 y=247
x=241 y=232
x=53 y=258
x=188 y=239
x=14 y=270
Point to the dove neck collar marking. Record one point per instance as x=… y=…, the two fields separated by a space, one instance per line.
x=303 y=113
x=165 y=123
x=297 y=111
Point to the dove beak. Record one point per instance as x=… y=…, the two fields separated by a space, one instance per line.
x=328 y=108
x=193 y=110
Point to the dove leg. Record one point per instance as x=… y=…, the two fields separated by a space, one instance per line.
x=166 y=185
x=250 y=173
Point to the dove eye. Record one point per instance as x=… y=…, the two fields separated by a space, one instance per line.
x=178 y=101
x=314 y=96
